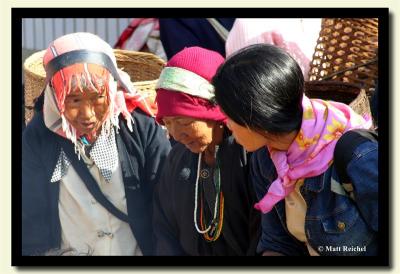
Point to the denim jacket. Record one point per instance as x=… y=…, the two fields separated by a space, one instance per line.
x=335 y=224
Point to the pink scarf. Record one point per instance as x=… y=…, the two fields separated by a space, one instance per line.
x=311 y=153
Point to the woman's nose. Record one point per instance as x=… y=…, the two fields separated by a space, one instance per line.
x=86 y=110
x=228 y=125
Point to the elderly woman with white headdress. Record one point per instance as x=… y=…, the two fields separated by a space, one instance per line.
x=91 y=157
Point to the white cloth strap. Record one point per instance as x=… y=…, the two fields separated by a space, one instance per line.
x=220 y=29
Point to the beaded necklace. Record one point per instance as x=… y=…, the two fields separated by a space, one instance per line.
x=212 y=232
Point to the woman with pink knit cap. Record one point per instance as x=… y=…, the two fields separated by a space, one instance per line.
x=90 y=157
x=203 y=204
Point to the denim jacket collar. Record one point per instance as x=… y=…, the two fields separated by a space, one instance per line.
x=315 y=184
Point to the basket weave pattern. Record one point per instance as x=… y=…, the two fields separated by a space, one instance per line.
x=347 y=93
x=143 y=68
x=346 y=51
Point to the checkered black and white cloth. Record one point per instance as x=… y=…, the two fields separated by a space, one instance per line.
x=104 y=154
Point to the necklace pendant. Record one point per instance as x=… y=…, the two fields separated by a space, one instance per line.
x=204 y=173
x=84 y=140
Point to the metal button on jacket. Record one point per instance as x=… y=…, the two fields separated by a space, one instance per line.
x=341 y=226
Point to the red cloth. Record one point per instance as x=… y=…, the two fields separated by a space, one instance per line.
x=61 y=81
x=204 y=63
x=135 y=23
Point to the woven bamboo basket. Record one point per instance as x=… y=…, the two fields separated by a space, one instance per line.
x=348 y=93
x=143 y=68
x=347 y=51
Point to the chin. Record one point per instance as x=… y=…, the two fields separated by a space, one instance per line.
x=250 y=148
x=89 y=132
x=197 y=149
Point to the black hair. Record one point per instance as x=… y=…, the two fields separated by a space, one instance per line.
x=261 y=86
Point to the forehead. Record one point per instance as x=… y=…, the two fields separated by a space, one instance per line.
x=80 y=91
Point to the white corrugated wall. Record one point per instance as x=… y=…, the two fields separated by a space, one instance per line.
x=37 y=33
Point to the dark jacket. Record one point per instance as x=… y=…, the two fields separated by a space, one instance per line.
x=335 y=224
x=174 y=205
x=141 y=153
x=176 y=34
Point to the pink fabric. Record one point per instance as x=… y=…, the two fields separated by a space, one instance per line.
x=296 y=36
x=61 y=80
x=311 y=153
x=143 y=27
x=204 y=63
x=172 y=103
x=140 y=36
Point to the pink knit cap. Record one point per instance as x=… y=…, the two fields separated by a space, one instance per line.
x=202 y=62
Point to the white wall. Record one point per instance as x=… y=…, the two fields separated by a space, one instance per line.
x=37 y=33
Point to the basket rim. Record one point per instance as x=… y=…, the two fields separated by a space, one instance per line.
x=37 y=58
x=33 y=59
x=133 y=52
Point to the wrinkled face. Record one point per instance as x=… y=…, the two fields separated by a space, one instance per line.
x=86 y=109
x=195 y=134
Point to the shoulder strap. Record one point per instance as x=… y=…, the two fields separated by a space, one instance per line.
x=346 y=145
x=219 y=28
x=90 y=182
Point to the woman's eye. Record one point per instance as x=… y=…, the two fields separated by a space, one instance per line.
x=185 y=123
x=100 y=98
x=73 y=101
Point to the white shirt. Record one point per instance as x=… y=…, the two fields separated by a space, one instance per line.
x=296 y=208
x=86 y=225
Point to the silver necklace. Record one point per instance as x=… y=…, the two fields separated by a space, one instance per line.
x=196 y=198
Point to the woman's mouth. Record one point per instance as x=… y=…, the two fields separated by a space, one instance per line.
x=88 y=125
x=192 y=146
x=190 y=143
x=195 y=147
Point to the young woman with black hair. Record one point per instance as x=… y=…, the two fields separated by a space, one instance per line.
x=305 y=208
